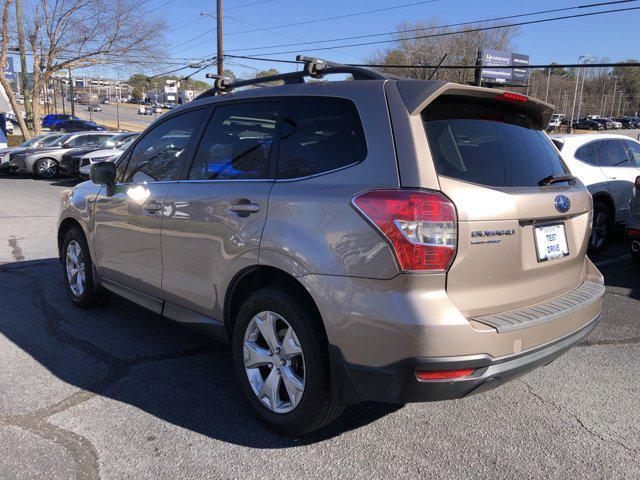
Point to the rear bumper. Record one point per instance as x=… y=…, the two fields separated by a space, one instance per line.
x=397 y=383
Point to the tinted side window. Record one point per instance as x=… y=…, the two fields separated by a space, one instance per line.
x=237 y=142
x=159 y=155
x=634 y=152
x=587 y=153
x=320 y=134
x=612 y=153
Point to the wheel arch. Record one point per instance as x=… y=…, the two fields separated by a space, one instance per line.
x=66 y=225
x=606 y=199
x=253 y=278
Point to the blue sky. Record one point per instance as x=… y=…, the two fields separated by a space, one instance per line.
x=614 y=35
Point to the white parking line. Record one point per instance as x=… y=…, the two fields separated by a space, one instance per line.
x=613 y=260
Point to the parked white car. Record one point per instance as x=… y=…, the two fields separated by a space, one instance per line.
x=608 y=165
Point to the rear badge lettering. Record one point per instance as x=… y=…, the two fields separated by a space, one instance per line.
x=490 y=236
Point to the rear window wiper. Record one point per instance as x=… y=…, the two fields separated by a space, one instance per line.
x=551 y=179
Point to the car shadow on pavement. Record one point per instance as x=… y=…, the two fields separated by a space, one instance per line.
x=58 y=181
x=136 y=357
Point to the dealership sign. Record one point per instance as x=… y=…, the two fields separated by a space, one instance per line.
x=8 y=69
x=489 y=58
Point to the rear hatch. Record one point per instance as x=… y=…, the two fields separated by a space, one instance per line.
x=522 y=234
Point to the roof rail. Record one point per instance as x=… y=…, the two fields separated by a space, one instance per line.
x=313 y=67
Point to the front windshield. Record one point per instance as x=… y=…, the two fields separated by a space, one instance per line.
x=56 y=140
x=126 y=142
x=111 y=142
x=33 y=141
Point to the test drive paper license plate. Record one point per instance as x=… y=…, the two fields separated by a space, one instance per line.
x=551 y=242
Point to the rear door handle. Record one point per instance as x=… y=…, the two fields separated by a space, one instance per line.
x=244 y=208
x=152 y=207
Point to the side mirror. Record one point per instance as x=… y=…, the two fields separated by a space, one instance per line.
x=637 y=184
x=103 y=173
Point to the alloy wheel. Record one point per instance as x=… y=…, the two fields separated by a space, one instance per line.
x=75 y=267
x=274 y=362
x=47 y=168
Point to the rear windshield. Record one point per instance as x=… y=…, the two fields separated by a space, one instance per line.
x=489 y=142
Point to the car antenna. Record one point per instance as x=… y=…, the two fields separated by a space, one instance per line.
x=435 y=70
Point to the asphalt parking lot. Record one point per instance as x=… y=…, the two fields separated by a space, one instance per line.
x=121 y=393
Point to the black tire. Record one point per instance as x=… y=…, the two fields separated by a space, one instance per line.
x=602 y=227
x=91 y=296
x=314 y=409
x=39 y=170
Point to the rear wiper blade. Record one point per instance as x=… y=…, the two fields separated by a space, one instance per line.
x=551 y=179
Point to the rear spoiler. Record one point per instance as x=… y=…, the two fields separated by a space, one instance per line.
x=417 y=94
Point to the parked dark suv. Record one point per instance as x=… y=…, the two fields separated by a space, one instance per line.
x=375 y=239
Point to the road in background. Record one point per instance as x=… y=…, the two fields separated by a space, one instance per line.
x=130 y=120
x=120 y=392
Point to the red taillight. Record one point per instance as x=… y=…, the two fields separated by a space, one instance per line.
x=512 y=97
x=633 y=232
x=444 y=374
x=638 y=183
x=421 y=226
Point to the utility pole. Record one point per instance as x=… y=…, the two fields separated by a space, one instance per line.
x=23 y=66
x=602 y=102
x=219 y=36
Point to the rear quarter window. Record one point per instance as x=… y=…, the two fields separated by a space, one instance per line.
x=489 y=142
x=588 y=154
x=319 y=134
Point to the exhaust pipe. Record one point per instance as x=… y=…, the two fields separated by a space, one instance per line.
x=635 y=246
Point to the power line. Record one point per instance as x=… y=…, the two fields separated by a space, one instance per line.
x=338 y=17
x=317 y=20
x=459 y=32
x=250 y=4
x=450 y=25
x=160 y=6
x=519 y=66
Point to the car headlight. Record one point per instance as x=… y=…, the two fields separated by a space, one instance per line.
x=107 y=158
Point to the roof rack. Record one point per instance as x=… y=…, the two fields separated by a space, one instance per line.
x=313 y=67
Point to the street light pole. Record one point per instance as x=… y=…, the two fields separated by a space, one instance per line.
x=619 y=103
x=546 y=95
x=219 y=36
x=613 y=99
x=73 y=100
x=118 y=94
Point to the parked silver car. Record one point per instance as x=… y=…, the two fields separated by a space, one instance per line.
x=375 y=239
x=32 y=145
x=45 y=162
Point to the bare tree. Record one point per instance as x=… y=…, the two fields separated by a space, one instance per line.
x=425 y=44
x=3 y=61
x=66 y=34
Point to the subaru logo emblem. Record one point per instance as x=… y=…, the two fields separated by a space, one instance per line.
x=562 y=203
